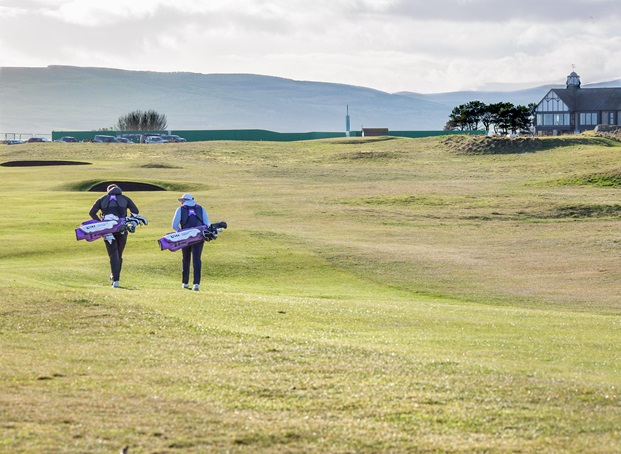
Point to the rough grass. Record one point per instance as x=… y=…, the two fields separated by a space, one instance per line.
x=604 y=178
x=368 y=296
x=505 y=145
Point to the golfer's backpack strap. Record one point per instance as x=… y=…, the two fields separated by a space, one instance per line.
x=191 y=216
x=114 y=204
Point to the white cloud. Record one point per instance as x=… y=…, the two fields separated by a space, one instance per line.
x=11 y=13
x=87 y=13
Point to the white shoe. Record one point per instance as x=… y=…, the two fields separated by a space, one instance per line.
x=195 y=287
x=185 y=285
x=115 y=284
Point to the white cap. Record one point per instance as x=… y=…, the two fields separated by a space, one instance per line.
x=186 y=196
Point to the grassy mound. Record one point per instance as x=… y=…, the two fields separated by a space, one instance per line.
x=492 y=145
x=478 y=145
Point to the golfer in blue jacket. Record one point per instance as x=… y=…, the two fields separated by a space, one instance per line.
x=190 y=214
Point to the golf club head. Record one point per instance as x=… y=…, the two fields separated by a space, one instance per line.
x=218 y=225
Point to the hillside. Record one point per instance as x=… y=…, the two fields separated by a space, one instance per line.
x=40 y=100
x=56 y=98
x=518 y=97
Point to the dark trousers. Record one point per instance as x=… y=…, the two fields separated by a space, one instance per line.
x=191 y=253
x=115 y=252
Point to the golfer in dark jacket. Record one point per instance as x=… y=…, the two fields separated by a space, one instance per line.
x=190 y=214
x=114 y=204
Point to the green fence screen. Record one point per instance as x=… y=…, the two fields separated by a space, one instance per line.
x=246 y=134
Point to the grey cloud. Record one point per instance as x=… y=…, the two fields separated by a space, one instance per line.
x=491 y=10
x=20 y=4
x=401 y=44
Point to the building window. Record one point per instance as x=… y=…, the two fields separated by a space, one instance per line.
x=553 y=119
x=588 y=118
x=551 y=103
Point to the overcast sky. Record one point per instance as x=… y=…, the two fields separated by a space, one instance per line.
x=423 y=46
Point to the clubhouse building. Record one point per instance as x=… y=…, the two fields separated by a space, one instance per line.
x=572 y=110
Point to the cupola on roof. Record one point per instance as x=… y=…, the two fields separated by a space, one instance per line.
x=573 y=80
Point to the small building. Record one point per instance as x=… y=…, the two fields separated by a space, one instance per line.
x=371 y=132
x=572 y=110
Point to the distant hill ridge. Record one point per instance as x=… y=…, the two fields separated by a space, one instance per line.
x=40 y=100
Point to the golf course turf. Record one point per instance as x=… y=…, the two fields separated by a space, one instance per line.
x=378 y=295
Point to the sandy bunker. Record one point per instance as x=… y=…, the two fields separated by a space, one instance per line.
x=43 y=163
x=126 y=186
x=99 y=187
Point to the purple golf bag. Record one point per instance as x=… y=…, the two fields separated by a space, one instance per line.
x=185 y=237
x=93 y=230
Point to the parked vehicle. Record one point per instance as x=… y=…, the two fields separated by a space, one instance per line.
x=13 y=142
x=132 y=137
x=37 y=140
x=124 y=140
x=67 y=139
x=105 y=139
x=173 y=138
x=154 y=139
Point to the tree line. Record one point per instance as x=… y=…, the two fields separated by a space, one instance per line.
x=500 y=117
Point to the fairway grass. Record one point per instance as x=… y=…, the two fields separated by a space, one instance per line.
x=368 y=296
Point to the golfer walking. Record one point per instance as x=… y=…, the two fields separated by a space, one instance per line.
x=114 y=205
x=190 y=214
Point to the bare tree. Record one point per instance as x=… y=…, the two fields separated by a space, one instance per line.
x=138 y=120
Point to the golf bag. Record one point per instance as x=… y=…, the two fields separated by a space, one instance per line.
x=93 y=230
x=185 y=237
